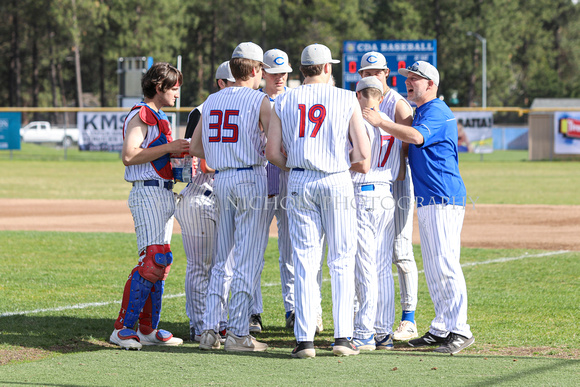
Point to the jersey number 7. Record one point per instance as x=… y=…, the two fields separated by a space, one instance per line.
x=386 y=149
x=316 y=115
x=223 y=122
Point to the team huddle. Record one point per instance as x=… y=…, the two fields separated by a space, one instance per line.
x=331 y=165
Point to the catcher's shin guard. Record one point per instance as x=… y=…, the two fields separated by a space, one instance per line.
x=151 y=314
x=137 y=290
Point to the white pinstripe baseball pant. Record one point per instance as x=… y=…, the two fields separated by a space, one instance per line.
x=440 y=228
x=277 y=207
x=322 y=203
x=152 y=209
x=241 y=223
x=403 y=256
x=197 y=214
x=375 y=211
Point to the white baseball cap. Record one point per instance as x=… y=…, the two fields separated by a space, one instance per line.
x=368 y=82
x=249 y=50
x=277 y=60
x=422 y=69
x=317 y=54
x=373 y=61
x=224 y=72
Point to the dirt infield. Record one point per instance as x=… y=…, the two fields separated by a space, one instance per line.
x=485 y=225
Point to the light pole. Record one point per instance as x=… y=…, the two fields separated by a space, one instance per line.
x=483 y=67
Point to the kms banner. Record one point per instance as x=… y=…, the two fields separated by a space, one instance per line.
x=103 y=131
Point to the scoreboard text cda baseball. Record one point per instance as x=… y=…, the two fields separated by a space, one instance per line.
x=399 y=54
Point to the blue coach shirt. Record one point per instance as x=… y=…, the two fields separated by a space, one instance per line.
x=434 y=165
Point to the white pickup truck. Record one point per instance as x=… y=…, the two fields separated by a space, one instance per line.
x=43 y=132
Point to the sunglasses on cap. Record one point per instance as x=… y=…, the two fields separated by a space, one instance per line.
x=415 y=68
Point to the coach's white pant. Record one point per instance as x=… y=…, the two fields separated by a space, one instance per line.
x=321 y=203
x=403 y=256
x=440 y=229
x=241 y=223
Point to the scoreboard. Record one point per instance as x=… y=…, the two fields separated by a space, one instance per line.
x=399 y=54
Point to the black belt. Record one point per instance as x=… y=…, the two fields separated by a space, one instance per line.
x=298 y=169
x=155 y=183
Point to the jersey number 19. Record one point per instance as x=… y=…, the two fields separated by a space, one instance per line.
x=316 y=115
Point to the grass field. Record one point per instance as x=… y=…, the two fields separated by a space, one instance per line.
x=60 y=294
x=503 y=177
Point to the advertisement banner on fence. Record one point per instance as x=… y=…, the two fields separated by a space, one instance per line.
x=475 y=131
x=567 y=133
x=10 y=130
x=103 y=131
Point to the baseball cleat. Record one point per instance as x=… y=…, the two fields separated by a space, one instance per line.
x=244 y=344
x=209 y=340
x=407 y=330
x=159 y=337
x=304 y=350
x=125 y=338
x=384 y=342
x=319 y=326
x=256 y=323
x=364 y=344
x=427 y=339
x=344 y=347
x=455 y=343
x=290 y=317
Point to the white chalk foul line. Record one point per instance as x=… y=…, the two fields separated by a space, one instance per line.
x=77 y=306
x=95 y=304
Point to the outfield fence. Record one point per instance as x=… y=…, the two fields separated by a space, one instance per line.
x=513 y=128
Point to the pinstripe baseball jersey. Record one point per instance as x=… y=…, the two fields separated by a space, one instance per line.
x=143 y=171
x=230 y=129
x=385 y=156
x=322 y=117
x=389 y=104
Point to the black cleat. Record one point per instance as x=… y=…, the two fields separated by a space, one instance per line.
x=344 y=347
x=427 y=339
x=455 y=343
x=304 y=350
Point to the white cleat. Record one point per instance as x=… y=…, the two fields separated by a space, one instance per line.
x=125 y=338
x=244 y=344
x=406 y=331
x=159 y=337
x=209 y=340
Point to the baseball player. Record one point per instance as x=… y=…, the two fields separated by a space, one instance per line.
x=313 y=123
x=276 y=76
x=440 y=195
x=399 y=110
x=375 y=210
x=197 y=215
x=230 y=137
x=147 y=145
